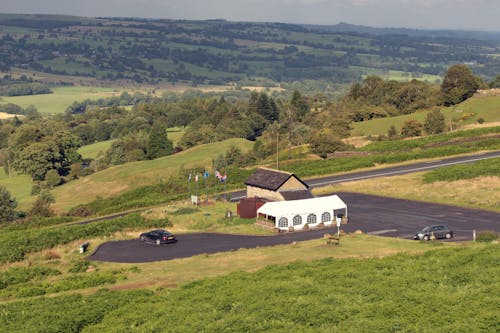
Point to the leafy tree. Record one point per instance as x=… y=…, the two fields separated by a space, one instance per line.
x=38 y=158
x=41 y=206
x=392 y=132
x=495 y=83
x=459 y=83
x=8 y=205
x=326 y=142
x=434 y=122
x=115 y=155
x=299 y=105
x=233 y=156
x=52 y=178
x=158 y=144
x=411 y=128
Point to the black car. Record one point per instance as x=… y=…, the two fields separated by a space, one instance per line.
x=158 y=237
x=434 y=231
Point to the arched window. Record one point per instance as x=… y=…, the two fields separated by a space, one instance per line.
x=283 y=222
x=311 y=219
x=297 y=220
x=326 y=217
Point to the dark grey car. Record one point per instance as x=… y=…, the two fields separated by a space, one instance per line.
x=434 y=231
x=158 y=237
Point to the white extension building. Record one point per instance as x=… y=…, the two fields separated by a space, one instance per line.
x=298 y=213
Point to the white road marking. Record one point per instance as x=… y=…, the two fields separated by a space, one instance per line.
x=380 y=232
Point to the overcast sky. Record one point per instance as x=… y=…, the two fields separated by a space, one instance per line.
x=426 y=14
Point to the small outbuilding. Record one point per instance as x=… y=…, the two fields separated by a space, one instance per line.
x=299 y=213
x=275 y=185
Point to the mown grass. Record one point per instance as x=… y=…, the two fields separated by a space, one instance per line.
x=61 y=98
x=404 y=292
x=462 y=114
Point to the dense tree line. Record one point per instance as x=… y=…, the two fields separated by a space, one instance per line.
x=21 y=86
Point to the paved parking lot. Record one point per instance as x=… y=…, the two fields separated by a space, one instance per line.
x=371 y=214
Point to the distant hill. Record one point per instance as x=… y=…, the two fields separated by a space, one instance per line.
x=220 y=52
x=424 y=33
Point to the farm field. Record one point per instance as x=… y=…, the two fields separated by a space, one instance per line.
x=464 y=114
x=61 y=98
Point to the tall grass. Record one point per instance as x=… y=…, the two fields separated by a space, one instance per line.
x=445 y=290
x=490 y=167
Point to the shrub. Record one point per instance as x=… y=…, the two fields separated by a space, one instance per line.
x=81 y=211
x=185 y=211
x=51 y=255
x=411 y=128
x=79 y=266
x=486 y=236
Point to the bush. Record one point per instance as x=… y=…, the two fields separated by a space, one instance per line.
x=80 y=211
x=79 y=266
x=486 y=236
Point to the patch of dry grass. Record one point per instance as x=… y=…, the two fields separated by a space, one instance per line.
x=481 y=192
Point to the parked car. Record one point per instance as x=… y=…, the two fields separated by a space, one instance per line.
x=158 y=237
x=436 y=231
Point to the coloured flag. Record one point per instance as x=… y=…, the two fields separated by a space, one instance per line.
x=218 y=175
x=189 y=177
x=196 y=178
x=223 y=179
x=206 y=174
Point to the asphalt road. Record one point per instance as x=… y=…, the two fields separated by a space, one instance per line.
x=385 y=172
x=371 y=214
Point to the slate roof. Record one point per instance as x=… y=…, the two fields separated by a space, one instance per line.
x=270 y=179
x=297 y=195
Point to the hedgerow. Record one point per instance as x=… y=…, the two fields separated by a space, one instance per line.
x=342 y=164
x=447 y=138
x=15 y=244
x=489 y=167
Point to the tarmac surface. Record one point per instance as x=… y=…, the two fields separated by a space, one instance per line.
x=371 y=214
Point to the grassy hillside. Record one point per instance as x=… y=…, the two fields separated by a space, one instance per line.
x=397 y=293
x=461 y=115
x=129 y=176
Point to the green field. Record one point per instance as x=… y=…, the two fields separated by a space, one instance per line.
x=461 y=115
x=129 y=176
x=93 y=150
x=19 y=187
x=61 y=98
